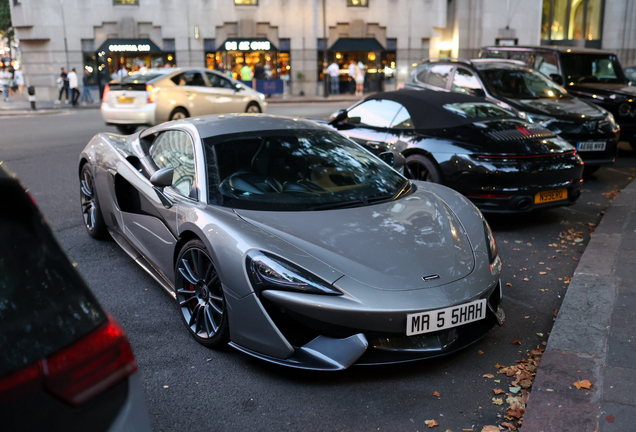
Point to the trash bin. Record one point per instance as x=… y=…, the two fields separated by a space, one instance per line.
x=31 y=92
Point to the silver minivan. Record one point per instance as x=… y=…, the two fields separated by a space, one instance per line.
x=157 y=95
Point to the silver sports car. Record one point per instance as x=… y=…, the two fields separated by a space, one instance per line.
x=293 y=244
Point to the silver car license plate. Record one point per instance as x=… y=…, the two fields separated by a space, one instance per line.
x=591 y=146
x=440 y=319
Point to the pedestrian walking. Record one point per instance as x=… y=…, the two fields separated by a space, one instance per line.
x=73 y=84
x=18 y=78
x=359 y=77
x=86 y=88
x=246 y=73
x=352 y=75
x=123 y=72
x=5 y=81
x=62 y=81
x=334 y=77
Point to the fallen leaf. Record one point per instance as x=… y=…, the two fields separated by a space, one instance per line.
x=498 y=391
x=497 y=401
x=436 y=394
x=540 y=334
x=431 y=423
x=498 y=366
x=488 y=376
x=515 y=413
x=582 y=384
x=549 y=390
x=526 y=279
x=490 y=429
x=508 y=284
x=514 y=390
x=516 y=342
x=610 y=418
x=542 y=273
x=480 y=352
x=541 y=263
x=510 y=426
x=527 y=316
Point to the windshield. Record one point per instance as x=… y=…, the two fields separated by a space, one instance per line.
x=591 y=68
x=474 y=110
x=520 y=84
x=139 y=78
x=294 y=170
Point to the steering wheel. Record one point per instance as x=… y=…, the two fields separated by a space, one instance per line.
x=252 y=182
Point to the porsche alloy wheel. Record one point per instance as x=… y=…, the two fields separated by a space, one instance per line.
x=91 y=212
x=200 y=295
x=419 y=167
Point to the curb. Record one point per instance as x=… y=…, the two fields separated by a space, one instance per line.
x=588 y=340
x=15 y=113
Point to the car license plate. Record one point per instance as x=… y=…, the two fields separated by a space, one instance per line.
x=125 y=100
x=550 y=195
x=440 y=319
x=591 y=146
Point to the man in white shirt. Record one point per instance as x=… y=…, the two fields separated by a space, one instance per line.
x=5 y=81
x=73 y=84
x=352 y=75
x=334 y=76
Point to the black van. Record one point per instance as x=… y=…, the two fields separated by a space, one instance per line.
x=589 y=74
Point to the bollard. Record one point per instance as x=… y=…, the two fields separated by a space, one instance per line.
x=31 y=92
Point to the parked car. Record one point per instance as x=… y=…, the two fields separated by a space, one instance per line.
x=292 y=243
x=532 y=96
x=66 y=365
x=589 y=74
x=502 y=163
x=158 y=95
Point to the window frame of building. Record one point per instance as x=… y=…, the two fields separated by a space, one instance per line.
x=361 y=3
x=245 y=2
x=126 y=2
x=17 y=2
x=554 y=11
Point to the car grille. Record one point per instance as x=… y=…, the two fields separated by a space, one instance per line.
x=521 y=133
x=592 y=126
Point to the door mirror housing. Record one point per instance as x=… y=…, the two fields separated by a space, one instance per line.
x=338 y=117
x=477 y=92
x=238 y=87
x=162 y=178
x=557 y=78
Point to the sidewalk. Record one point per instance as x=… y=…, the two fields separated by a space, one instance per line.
x=345 y=97
x=19 y=105
x=594 y=336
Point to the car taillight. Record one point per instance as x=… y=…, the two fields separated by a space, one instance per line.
x=151 y=93
x=78 y=372
x=106 y=90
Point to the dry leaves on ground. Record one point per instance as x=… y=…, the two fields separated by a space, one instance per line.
x=490 y=429
x=436 y=394
x=431 y=423
x=582 y=384
x=611 y=194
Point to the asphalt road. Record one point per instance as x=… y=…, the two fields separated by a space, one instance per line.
x=191 y=388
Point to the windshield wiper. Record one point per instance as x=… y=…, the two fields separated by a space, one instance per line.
x=405 y=189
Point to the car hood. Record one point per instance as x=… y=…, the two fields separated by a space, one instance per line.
x=603 y=90
x=387 y=246
x=564 y=108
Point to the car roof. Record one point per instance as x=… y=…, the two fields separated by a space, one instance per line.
x=426 y=107
x=224 y=124
x=562 y=49
x=485 y=63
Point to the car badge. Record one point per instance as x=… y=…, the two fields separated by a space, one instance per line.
x=524 y=131
x=429 y=277
x=590 y=126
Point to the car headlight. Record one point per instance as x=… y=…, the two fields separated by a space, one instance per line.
x=612 y=121
x=262 y=96
x=268 y=272
x=542 y=120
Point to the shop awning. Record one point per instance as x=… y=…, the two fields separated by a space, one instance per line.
x=255 y=44
x=141 y=46
x=356 y=44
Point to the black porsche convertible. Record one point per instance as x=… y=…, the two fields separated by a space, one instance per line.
x=502 y=163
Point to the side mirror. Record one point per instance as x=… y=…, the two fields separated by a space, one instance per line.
x=477 y=92
x=557 y=78
x=388 y=158
x=162 y=178
x=238 y=87
x=338 y=117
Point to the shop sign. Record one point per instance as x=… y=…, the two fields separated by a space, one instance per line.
x=247 y=45
x=129 y=48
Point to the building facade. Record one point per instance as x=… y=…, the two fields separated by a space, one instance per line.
x=287 y=38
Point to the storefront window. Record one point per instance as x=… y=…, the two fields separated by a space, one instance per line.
x=564 y=20
x=360 y=3
x=126 y=2
x=246 y=2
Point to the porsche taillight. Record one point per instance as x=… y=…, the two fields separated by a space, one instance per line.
x=151 y=93
x=105 y=96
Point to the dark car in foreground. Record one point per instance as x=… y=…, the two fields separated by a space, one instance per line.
x=65 y=364
x=293 y=244
x=532 y=96
x=589 y=74
x=502 y=163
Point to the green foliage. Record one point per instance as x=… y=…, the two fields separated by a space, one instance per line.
x=6 y=29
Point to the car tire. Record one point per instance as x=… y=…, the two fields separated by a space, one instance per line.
x=420 y=167
x=253 y=108
x=179 y=114
x=201 y=298
x=126 y=129
x=91 y=211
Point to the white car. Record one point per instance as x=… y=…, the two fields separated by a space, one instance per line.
x=159 y=95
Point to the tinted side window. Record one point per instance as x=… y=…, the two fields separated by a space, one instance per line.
x=174 y=149
x=191 y=78
x=464 y=81
x=44 y=304
x=402 y=120
x=438 y=75
x=546 y=63
x=378 y=113
x=217 y=81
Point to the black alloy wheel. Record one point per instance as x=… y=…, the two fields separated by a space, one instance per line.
x=200 y=296
x=419 y=167
x=91 y=212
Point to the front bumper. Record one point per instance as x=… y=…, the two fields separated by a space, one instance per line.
x=143 y=116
